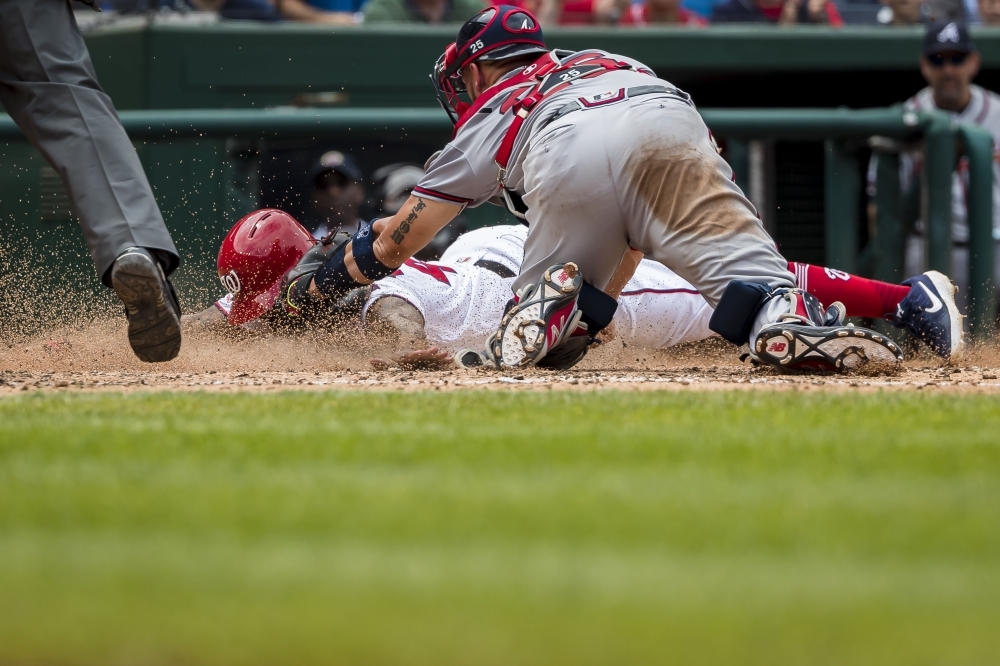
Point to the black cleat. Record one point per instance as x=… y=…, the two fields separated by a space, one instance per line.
x=466 y=358
x=154 y=324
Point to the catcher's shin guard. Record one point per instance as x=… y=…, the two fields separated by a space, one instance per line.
x=804 y=337
x=544 y=315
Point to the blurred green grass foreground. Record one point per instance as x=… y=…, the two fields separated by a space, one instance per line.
x=488 y=528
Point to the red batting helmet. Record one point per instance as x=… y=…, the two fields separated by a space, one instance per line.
x=255 y=255
x=496 y=33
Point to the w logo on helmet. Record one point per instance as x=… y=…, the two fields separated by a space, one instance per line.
x=231 y=281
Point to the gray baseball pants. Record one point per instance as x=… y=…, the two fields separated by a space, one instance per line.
x=642 y=173
x=49 y=88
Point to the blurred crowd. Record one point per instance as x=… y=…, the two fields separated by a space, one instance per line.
x=623 y=13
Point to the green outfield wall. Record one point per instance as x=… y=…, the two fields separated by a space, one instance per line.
x=245 y=64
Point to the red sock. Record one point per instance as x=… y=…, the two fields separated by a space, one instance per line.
x=862 y=297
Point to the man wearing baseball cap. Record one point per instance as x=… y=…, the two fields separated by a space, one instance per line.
x=338 y=192
x=949 y=62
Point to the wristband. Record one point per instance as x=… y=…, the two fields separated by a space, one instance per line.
x=363 y=250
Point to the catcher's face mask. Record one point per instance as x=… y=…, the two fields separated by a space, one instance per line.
x=496 y=33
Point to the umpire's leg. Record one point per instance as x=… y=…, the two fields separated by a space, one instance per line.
x=48 y=86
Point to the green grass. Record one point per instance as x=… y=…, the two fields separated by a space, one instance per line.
x=488 y=528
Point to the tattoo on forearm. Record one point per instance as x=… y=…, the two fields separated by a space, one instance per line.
x=404 y=226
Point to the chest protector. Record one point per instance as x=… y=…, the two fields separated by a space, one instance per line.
x=527 y=90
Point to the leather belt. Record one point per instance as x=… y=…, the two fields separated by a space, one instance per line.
x=496 y=267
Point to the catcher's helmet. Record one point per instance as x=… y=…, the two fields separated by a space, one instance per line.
x=255 y=255
x=496 y=33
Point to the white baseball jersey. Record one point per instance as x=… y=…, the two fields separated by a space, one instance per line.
x=462 y=303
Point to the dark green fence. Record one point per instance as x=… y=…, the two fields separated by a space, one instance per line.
x=244 y=65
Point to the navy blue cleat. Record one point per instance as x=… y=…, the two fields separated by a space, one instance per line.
x=930 y=313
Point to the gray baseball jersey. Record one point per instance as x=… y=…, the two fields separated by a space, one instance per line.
x=466 y=170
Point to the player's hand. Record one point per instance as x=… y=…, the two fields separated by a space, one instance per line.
x=420 y=359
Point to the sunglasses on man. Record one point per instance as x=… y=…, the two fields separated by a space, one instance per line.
x=939 y=59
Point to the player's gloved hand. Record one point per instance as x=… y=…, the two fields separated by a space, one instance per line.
x=295 y=299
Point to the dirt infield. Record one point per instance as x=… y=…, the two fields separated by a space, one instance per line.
x=96 y=357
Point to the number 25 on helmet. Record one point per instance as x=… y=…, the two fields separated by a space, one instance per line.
x=496 y=33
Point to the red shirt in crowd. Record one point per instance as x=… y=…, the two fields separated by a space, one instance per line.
x=581 y=12
x=639 y=15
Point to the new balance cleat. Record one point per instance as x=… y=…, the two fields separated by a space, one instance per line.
x=154 y=315
x=544 y=315
x=806 y=348
x=930 y=313
x=807 y=338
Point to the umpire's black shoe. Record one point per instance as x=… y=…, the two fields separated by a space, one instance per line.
x=154 y=316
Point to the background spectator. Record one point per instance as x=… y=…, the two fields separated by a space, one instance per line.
x=989 y=12
x=911 y=12
x=394 y=183
x=659 y=12
x=421 y=11
x=278 y=10
x=338 y=192
x=902 y=12
x=782 y=12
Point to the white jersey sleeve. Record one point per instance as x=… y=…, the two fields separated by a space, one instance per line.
x=657 y=308
x=461 y=304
